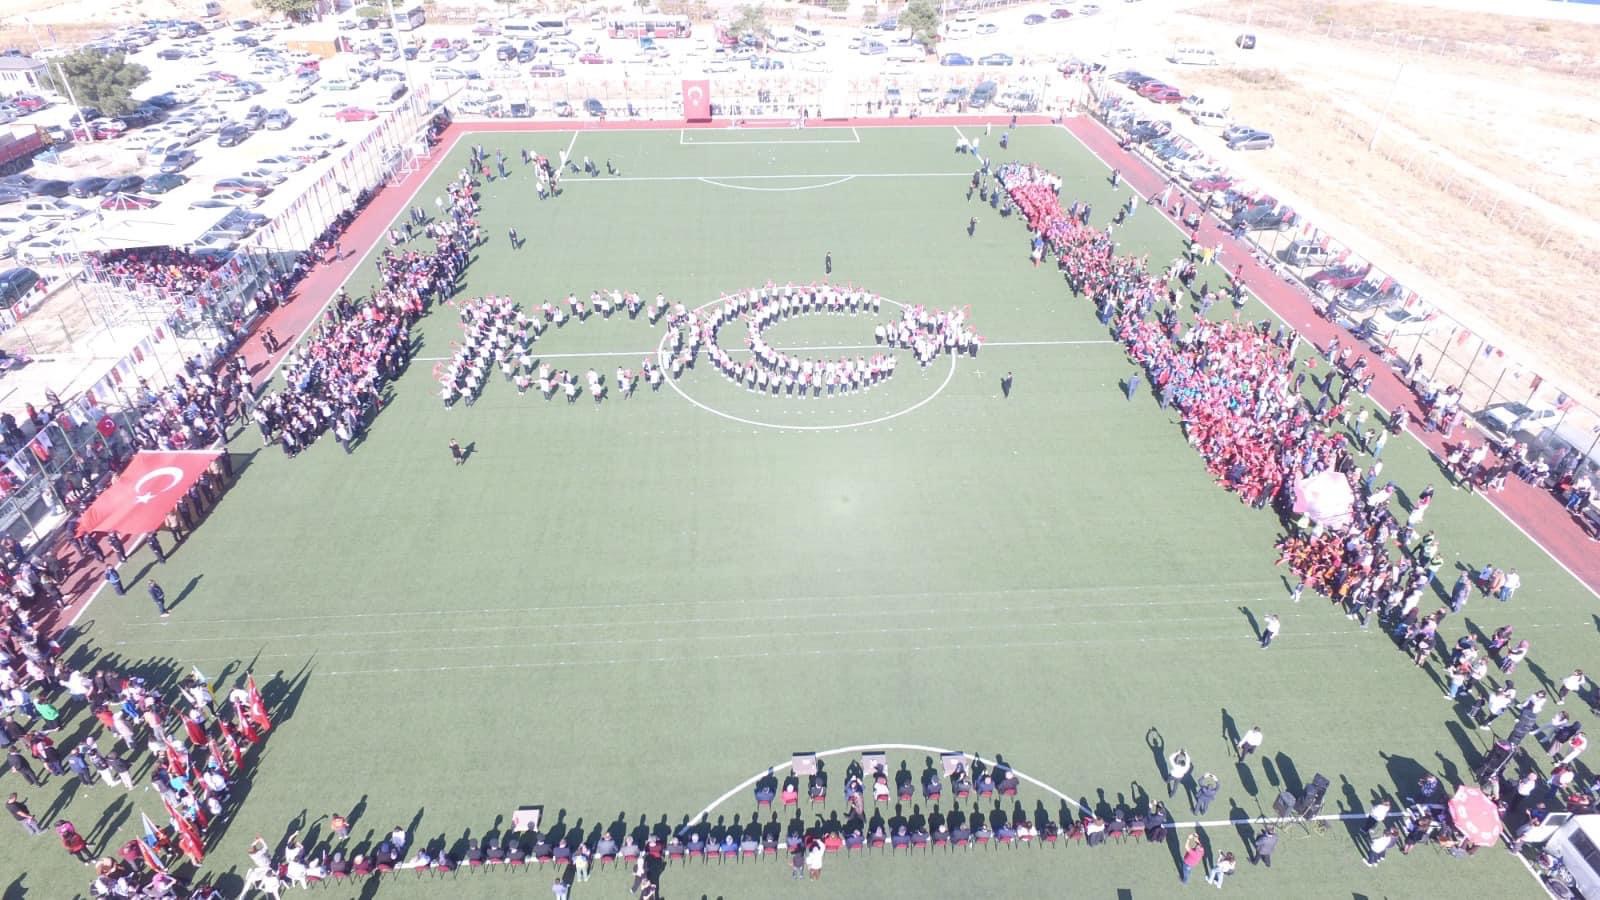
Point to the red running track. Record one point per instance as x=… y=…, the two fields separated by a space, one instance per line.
x=1535 y=512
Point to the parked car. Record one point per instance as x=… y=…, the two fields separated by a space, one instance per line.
x=955 y=59
x=227 y=199
x=1165 y=94
x=262 y=173
x=1263 y=217
x=1034 y=19
x=987 y=28
x=1368 y=297
x=1060 y=13
x=1255 y=140
x=544 y=70
x=1306 y=254
x=15 y=285
x=51 y=187
x=233 y=135
x=1339 y=278
x=247 y=185
x=45 y=249
x=355 y=114
x=87 y=187
x=178 y=160
x=122 y=184
x=1398 y=321
x=996 y=59
x=1506 y=420
x=166 y=181
x=564 y=110
x=277 y=120
x=1214 y=182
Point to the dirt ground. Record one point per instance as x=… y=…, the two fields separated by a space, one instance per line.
x=1489 y=150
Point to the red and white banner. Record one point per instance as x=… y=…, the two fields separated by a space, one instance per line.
x=697 y=101
x=139 y=500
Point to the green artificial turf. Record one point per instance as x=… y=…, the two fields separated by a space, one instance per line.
x=625 y=612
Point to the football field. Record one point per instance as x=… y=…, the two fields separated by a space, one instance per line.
x=625 y=612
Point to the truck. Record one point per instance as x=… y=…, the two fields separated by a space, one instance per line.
x=18 y=145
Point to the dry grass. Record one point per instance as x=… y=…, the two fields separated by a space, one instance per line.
x=1536 y=296
x=1562 y=47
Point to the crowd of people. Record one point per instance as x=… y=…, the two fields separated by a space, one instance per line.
x=194 y=744
x=1262 y=422
x=335 y=381
x=167 y=270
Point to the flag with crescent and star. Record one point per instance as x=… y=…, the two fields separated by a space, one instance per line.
x=697 y=100
x=140 y=498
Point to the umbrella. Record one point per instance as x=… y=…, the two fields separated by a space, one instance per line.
x=1475 y=816
x=1326 y=498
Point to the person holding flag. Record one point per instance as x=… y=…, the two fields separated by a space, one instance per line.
x=257 y=708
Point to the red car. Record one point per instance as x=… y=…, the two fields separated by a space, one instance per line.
x=593 y=59
x=355 y=114
x=30 y=103
x=1165 y=95
x=229 y=77
x=440 y=44
x=1146 y=90
x=1060 y=13
x=1340 y=278
x=309 y=65
x=1212 y=183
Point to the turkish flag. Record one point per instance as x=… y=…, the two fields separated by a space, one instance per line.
x=139 y=500
x=697 y=101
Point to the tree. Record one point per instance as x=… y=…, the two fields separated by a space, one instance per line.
x=298 y=10
x=103 y=80
x=752 y=19
x=921 y=18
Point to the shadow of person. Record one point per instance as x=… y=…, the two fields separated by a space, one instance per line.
x=1230 y=731
x=1247 y=779
x=1255 y=626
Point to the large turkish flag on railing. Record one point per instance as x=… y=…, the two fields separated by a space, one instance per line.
x=697 y=101
x=138 y=501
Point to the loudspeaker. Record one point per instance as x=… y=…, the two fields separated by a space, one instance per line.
x=1311 y=801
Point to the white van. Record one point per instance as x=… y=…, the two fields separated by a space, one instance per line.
x=1193 y=56
x=1208 y=117
x=909 y=53
x=809 y=32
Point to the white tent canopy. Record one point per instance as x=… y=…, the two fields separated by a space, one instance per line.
x=147 y=228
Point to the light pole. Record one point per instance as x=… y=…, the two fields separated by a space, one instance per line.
x=1388 y=102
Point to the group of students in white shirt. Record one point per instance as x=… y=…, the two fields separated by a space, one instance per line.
x=769 y=370
x=498 y=333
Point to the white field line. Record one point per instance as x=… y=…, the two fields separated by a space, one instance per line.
x=1410 y=432
x=572 y=143
x=745 y=601
x=836 y=176
x=807 y=349
x=1293 y=647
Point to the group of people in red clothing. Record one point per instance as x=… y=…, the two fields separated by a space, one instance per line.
x=197 y=746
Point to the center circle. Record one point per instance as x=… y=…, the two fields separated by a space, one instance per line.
x=663 y=357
